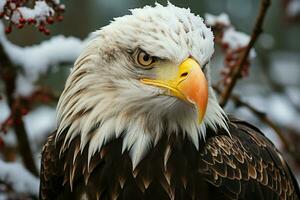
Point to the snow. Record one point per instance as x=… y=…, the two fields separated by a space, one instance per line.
x=2 y=3
x=294 y=94
x=233 y=38
x=24 y=87
x=38 y=59
x=3 y=197
x=212 y=20
x=277 y=107
x=4 y=110
x=236 y=40
x=283 y=65
x=293 y=8
x=46 y=118
x=22 y=182
x=40 y=12
x=270 y=133
x=39 y=123
x=57 y=1
x=281 y=110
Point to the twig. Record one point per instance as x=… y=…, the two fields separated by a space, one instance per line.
x=263 y=117
x=8 y=75
x=237 y=71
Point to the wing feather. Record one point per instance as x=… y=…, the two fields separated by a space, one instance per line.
x=251 y=163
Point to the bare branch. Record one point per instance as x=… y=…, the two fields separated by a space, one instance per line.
x=237 y=71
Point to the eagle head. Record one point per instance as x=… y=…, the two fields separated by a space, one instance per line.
x=140 y=77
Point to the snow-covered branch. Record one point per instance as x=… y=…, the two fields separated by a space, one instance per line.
x=20 y=68
x=18 y=178
x=43 y=12
x=58 y=49
x=232 y=43
x=38 y=59
x=238 y=59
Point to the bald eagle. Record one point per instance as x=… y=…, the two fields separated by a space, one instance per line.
x=138 y=119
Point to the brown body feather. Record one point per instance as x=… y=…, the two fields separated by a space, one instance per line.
x=244 y=166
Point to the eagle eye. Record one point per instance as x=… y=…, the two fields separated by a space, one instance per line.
x=144 y=59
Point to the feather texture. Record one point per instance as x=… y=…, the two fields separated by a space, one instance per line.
x=104 y=84
x=243 y=166
x=118 y=138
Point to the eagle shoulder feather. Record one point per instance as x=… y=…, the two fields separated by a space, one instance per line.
x=242 y=165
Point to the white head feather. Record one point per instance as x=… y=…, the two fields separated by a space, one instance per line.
x=104 y=99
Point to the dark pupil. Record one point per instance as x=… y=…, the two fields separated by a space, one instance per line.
x=146 y=57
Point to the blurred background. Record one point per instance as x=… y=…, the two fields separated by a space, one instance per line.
x=272 y=86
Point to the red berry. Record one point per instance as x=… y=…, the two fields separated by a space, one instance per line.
x=31 y=21
x=1 y=142
x=50 y=20
x=41 y=28
x=9 y=121
x=46 y=31
x=60 y=18
x=20 y=26
x=22 y=20
x=24 y=111
x=1 y=14
x=8 y=29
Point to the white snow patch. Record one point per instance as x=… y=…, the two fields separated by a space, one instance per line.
x=278 y=108
x=269 y=133
x=285 y=68
x=37 y=59
x=212 y=20
x=281 y=109
x=24 y=87
x=39 y=12
x=294 y=94
x=57 y=1
x=235 y=39
x=40 y=123
x=293 y=8
x=19 y=178
x=9 y=138
x=3 y=197
x=244 y=114
x=2 y=3
x=4 y=110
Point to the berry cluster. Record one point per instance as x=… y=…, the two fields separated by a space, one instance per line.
x=232 y=56
x=23 y=105
x=44 y=12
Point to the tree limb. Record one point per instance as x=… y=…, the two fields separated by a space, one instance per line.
x=237 y=71
x=8 y=75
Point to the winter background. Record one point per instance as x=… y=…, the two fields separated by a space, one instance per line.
x=43 y=63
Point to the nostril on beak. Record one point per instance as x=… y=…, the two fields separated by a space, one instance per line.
x=184 y=74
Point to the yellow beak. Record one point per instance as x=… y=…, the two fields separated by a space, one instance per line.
x=187 y=82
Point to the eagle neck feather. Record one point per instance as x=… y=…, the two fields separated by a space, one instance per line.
x=140 y=125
